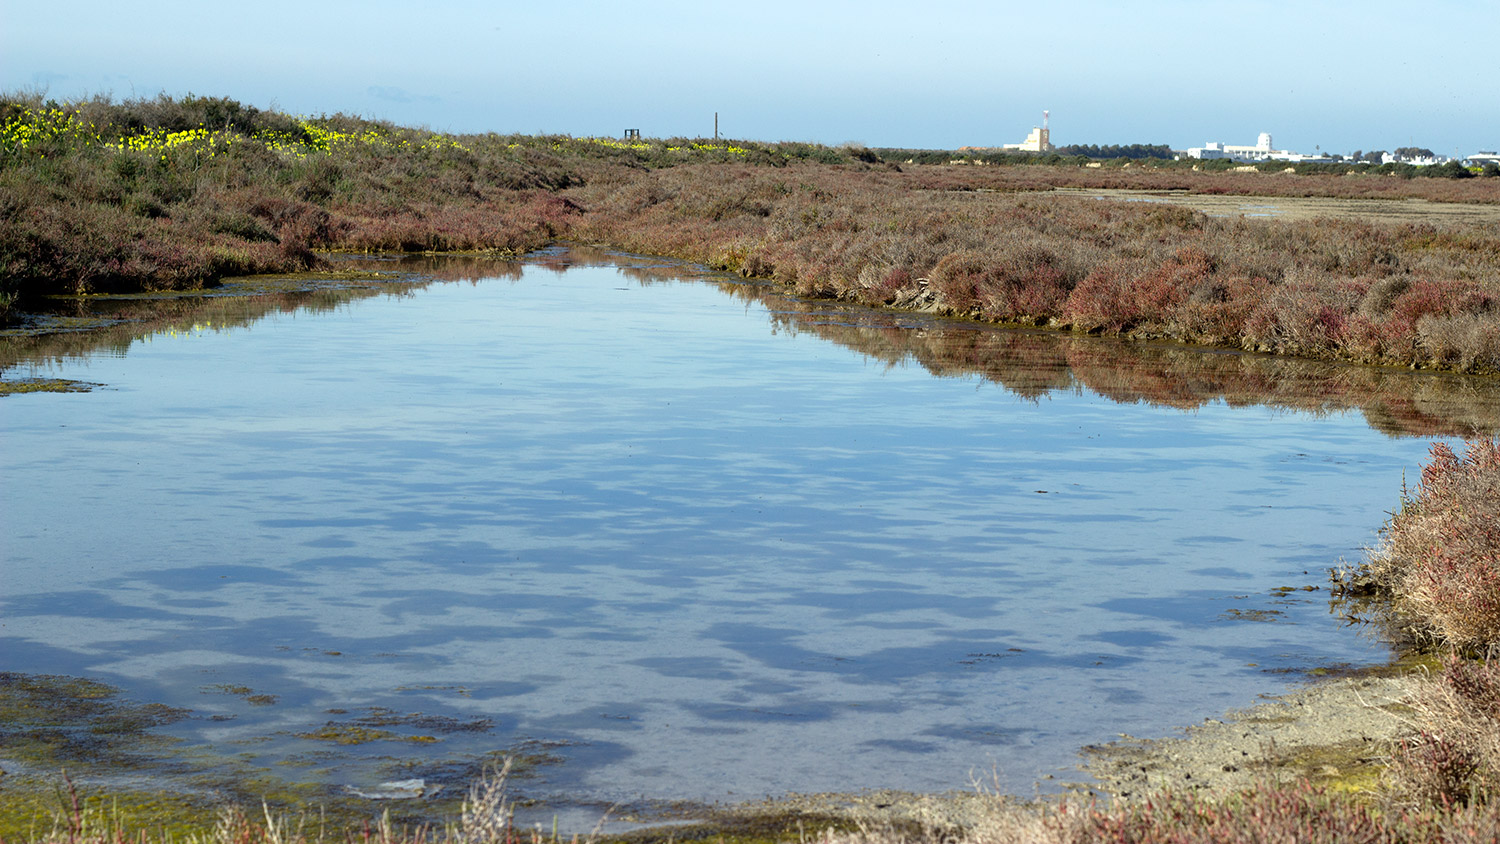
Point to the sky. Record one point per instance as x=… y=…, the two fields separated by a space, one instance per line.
x=1330 y=76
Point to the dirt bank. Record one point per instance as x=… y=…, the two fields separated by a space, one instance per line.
x=1333 y=731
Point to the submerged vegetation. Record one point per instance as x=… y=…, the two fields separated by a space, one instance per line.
x=1439 y=785
x=178 y=193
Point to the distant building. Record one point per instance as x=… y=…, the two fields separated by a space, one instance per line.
x=1262 y=151
x=1040 y=139
x=1483 y=157
x=1413 y=160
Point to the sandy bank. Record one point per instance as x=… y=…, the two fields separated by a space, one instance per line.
x=1334 y=731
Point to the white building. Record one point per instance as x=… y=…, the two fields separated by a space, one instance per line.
x=1262 y=151
x=1040 y=139
x=1413 y=160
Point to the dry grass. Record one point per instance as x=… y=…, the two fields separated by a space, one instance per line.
x=1440 y=556
x=1269 y=812
x=1437 y=573
x=1453 y=758
x=487 y=816
x=1295 y=814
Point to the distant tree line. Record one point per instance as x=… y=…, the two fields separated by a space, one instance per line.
x=1136 y=151
x=1446 y=170
x=1071 y=154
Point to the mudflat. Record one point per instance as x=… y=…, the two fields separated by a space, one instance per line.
x=1298 y=208
x=1334 y=732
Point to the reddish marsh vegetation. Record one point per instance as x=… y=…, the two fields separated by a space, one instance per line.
x=1394 y=294
x=172 y=194
x=1034 y=363
x=1441 y=554
x=168 y=193
x=1439 y=569
x=145 y=194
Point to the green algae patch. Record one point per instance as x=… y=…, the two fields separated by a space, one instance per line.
x=374 y=727
x=1251 y=615
x=44 y=385
x=338 y=733
x=1353 y=768
x=54 y=721
x=761 y=828
x=122 y=774
x=382 y=717
x=49 y=723
x=244 y=693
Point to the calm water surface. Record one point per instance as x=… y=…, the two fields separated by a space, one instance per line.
x=657 y=531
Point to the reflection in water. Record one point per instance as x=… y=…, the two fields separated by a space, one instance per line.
x=608 y=516
x=75 y=328
x=1026 y=362
x=1033 y=364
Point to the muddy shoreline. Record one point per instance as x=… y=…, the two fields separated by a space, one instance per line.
x=1332 y=731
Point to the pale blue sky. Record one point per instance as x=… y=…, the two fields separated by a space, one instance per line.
x=1340 y=76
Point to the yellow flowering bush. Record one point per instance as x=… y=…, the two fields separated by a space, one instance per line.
x=38 y=131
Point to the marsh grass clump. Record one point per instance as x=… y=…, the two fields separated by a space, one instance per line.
x=1437 y=573
x=1453 y=757
x=1439 y=560
x=1455 y=754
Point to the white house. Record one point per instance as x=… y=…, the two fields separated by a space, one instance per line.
x=1413 y=160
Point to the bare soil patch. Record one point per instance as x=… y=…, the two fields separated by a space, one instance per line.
x=1334 y=732
x=1299 y=208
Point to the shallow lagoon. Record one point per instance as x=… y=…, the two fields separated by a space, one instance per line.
x=674 y=537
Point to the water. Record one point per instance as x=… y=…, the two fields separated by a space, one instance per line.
x=675 y=542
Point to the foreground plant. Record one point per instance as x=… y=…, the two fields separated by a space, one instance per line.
x=1295 y=814
x=487 y=816
x=1436 y=575
x=1439 y=561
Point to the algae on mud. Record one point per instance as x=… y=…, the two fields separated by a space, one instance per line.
x=44 y=385
x=66 y=739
